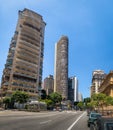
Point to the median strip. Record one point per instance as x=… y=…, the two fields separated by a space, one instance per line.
x=76 y=121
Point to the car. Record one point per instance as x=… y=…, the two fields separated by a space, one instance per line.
x=60 y=110
x=104 y=123
x=88 y=112
x=92 y=118
x=54 y=109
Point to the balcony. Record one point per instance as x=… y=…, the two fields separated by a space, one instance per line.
x=29 y=45
x=20 y=61
x=28 y=49
x=25 y=75
x=107 y=83
x=33 y=26
x=26 y=57
x=25 y=72
x=26 y=67
x=31 y=32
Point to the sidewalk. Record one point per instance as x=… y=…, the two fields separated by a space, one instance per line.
x=15 y=112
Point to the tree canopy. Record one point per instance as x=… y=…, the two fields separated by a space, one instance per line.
x=20 y=97
x=7 y=101
x=55 y=97
x=99 y=100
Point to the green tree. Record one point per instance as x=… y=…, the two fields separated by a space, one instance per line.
x=75 y=103
x=80 y=105
x=91 y=105
x=49 y=103
x=55 y=97
x=1 y=102
x=7 y=101
x=109 y=100
x=20 y=97
x=99 y=100
x=86 y=101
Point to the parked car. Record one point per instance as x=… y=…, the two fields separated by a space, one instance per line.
x=60 y=110
x=54 y=109
x=92 y=118
x=88 y=112
x=104 y=123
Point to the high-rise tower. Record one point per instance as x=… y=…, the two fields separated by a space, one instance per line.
x=73 y=89
x=23 y=68
x=49 y=84
x=61 y=67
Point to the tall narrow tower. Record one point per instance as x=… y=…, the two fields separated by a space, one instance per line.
x=23 y=68
x=61 y=67
x=73 y=89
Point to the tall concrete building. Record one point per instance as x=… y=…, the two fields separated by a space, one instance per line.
x=49 y=84
x=80 y=97
x=61 y=67
x=75 y=85
x=97 y=78
x=23 y=68
x=70 y=90
x=73 y=89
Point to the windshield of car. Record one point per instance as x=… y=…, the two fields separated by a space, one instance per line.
x=109 y=126
x=95 y=115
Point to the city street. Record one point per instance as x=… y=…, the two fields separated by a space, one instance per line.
x=65 y=120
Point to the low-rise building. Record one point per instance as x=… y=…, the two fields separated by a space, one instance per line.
x=97 y=78
x=107 y=85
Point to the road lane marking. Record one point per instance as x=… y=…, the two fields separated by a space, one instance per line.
x=76 y=121
x=45 y=122
x=71 y=112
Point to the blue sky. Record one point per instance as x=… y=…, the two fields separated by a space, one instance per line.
x=87 y=23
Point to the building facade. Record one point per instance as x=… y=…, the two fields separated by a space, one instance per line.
x=73 y=89
x=70 y=90
x=61 y=67
x=97 y=78
x=107 y=85
x=23 y=68
x=49 y=84
x=80 y=97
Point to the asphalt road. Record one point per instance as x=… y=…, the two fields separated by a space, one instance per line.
x=65 y=120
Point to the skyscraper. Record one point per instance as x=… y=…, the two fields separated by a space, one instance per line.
x=70 y=90
x=61 y=67
x=80 y=97
x=49 y=84
x=75 y=84
x=73 y=89
x=23 y=68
